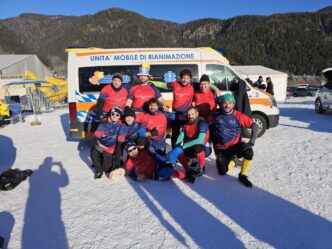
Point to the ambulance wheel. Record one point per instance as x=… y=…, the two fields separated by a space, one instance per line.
x=261 y=122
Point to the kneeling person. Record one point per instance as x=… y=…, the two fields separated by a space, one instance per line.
x=195 y=137
x=228 y=124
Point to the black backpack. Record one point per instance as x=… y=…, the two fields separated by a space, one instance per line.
x=11 y=178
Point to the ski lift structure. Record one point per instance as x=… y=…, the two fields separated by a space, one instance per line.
x=34 y=101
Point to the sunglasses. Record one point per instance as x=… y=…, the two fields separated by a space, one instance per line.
x=115 y=114
x=135 y=148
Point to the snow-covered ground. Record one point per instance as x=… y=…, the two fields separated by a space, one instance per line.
x=62 y=206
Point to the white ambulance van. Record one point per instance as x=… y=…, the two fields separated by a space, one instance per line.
x=166 y=64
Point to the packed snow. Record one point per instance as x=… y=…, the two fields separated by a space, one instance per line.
x=62 y=206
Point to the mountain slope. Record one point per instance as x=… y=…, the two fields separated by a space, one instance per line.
x=294 y=42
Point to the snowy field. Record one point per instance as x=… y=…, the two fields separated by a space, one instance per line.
x=62 y=206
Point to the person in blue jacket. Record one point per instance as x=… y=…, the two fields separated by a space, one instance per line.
x=105 y=138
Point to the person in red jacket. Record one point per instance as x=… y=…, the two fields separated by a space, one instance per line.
x=145 y=90
x=142 y=164
x=205 y=97
x=114 y=94
x=183 y=93
x=155 y=122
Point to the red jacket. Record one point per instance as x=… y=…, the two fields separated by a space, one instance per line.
x=144 y=163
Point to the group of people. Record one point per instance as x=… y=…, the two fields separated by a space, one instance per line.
x=133 y=120
x=259 y=84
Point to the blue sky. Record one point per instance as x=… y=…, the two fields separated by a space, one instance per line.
x=173 y=10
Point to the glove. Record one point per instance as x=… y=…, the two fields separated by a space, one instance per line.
x=154 y=132
x=126 y=109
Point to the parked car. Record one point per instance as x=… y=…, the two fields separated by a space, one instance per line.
x=289 y=92
x=303 y=85
x=300 y=92
x=313 y=90
x=323 y=100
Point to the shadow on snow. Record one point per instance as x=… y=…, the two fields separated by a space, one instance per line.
x=7 y=222
x=7 y=159
x=7 y=153
x=43 y=225
x=203 y=228
x=83 y=145
x=265 y=216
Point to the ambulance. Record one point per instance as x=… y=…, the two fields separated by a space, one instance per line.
x=90 y=69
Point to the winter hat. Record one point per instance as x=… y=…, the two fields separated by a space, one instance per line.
x=115 y=109
x=144 y=69
x=128 y=112
x=130 y=144
x=204 y=77
x=225 y=97
x=117 y=76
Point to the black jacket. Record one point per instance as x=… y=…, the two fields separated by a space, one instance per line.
x=241 y=97
x=269 y=88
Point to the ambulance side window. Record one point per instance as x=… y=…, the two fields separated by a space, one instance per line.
x=158 y=73
x=218 y=76
x=231 y=77
x=86 y=75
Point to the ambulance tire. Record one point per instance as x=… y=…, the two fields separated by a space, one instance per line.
x=260 y=121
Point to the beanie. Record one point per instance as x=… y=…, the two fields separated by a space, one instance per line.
x=115 y=109
x=117 y=76
x=129 y=112
x=130 y=144
x=225 y=97
x=204 y=77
